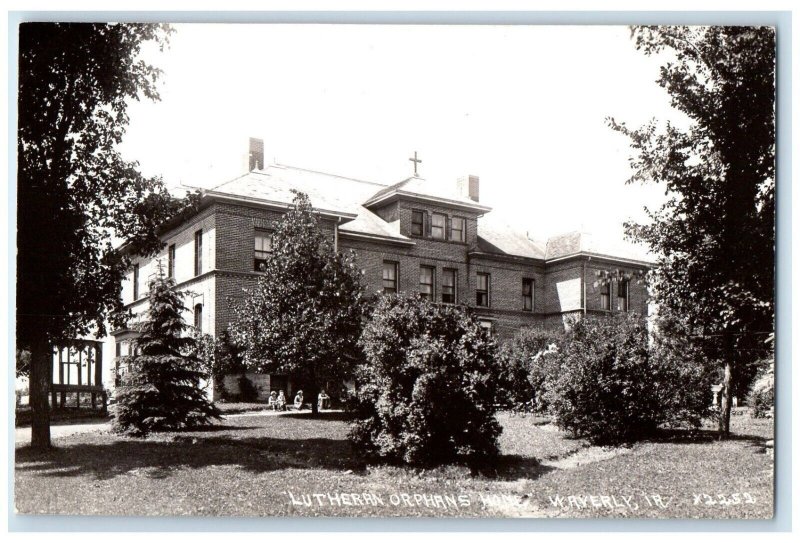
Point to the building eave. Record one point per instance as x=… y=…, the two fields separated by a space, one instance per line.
x=275 y=205
x=506 y=257
x=413 y=196
x=600 y=256
x=377 y=238
x=123 y=332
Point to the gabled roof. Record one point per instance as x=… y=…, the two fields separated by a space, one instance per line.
x=420 y=189
x=369 y=224
x=497 y=237
x=349 y=199
x=582 y=243
x=274 y=185
x=333 y=194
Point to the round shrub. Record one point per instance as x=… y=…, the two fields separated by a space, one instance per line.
x=612 y=386
x=426 y=393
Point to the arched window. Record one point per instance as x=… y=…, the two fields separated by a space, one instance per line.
x=198 y=317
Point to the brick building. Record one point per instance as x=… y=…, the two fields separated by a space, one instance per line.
x=408 y=237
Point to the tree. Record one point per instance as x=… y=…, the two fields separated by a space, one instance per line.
x=613 y=385
x=715 y=234
x=162 y=390
x=75 y=192
x=427 y=391
x=304 y=316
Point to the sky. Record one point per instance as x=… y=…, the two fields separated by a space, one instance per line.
x=522 y=107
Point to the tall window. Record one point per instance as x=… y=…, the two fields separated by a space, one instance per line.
x=622 y=295
x=438 y=224
x=135 y=282
x=198 y=252
x=417 y=223
x=449 y=286
x=605 y=297
x=426 y=282
x=458 y=230
x=389 y=277
x=198 y=317
x=527 y=294
x=171 y=261
x=482 y=290
x=263 y=247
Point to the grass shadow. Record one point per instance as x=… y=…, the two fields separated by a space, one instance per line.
x=511 y=467
x=211 y=428
x=23 y=420
x=698 y=436
x=322 y=415
x=107 y=460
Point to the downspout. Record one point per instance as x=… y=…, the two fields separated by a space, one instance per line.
x=336 y=234
x=583 y=285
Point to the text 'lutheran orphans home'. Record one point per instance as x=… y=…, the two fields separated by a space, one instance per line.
x=409 y=237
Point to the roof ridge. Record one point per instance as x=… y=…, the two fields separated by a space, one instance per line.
x=388 y=188
x=564 y=234
x=330 y=174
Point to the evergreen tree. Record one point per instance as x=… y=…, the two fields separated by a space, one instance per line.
x=304 y=316
x=162 y=390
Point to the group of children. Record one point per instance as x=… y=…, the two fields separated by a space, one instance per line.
x=277 y=401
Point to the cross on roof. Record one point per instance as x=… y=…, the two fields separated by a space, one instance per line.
x=416 y=161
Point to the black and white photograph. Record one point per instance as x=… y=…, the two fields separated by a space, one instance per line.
x=394 y=270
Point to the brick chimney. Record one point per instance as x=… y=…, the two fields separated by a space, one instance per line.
x=255 y=155
x=468 y=187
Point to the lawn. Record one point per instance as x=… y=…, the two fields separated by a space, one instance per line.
x=73 y=415
x=295 y=464
x=229 y=408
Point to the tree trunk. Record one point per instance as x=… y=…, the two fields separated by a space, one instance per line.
x=39 y=387
x=725 y=407
x=313 y=393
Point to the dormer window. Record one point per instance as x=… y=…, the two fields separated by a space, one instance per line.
x=417 y=223
x=438 y=225
x=458 y=229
